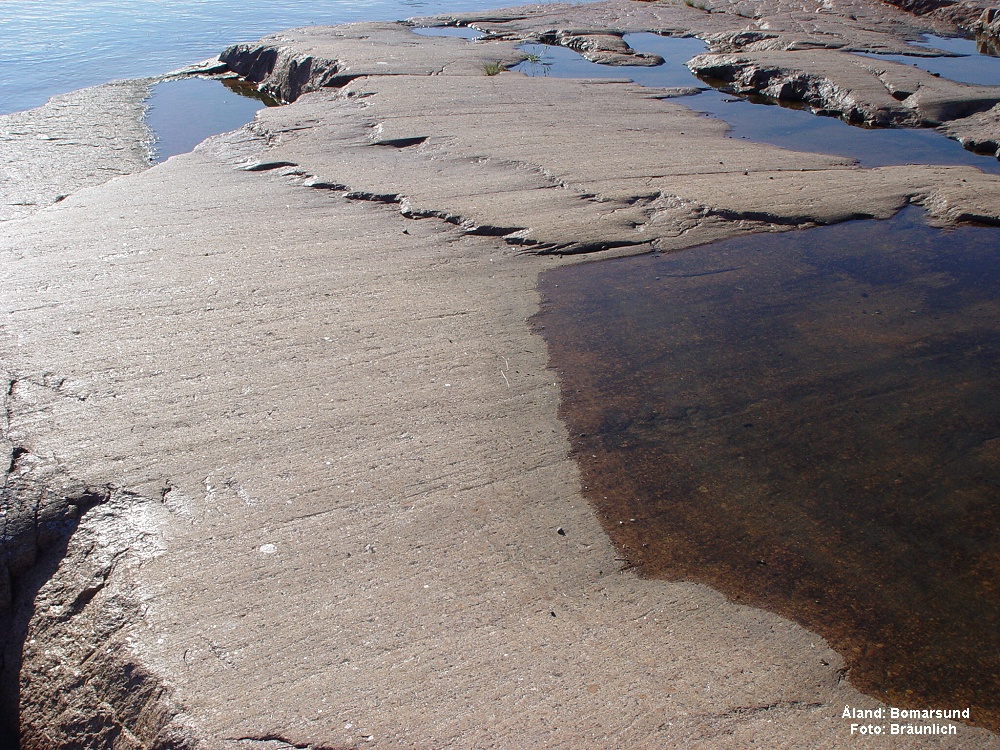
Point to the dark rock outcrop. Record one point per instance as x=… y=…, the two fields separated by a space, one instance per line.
x=281 y=73
x=920 y=7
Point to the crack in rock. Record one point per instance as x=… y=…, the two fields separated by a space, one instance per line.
x=40 y=508
x=68 y=678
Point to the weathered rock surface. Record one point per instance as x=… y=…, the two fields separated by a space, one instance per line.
x=299 y=364
x=861 y=90
x=353 y=434
x=727 y=25
x=92 y=135
x=979 y=132
x=294 y=62
x=986 y=27
x=665 y=180
x=667 y=173
x=40 y=509
x=787 y=51
x=922 y=7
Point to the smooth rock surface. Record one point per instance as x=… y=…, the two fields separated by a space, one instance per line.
x=300 y=368
x=93 y=135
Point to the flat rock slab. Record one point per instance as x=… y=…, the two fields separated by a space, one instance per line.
x=77 y=140
x=346 y=486
x=338 y=505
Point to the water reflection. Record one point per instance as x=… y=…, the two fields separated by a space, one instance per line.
x=809 y=422
x=183 y=113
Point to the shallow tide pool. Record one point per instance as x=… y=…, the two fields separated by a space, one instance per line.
x=183 y=113
x=808 y=422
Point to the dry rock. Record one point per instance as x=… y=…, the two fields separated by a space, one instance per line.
x=861 y=90
x=299 y=363
x=93 y=135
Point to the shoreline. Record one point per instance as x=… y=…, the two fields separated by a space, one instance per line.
x=738 y=481
x=298 y=362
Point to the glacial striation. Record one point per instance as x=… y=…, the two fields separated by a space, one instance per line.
x=308 y=446
x=74 y=141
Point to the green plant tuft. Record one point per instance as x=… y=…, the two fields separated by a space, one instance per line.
x=493 y=68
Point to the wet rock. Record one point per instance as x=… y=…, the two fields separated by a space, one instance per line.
x=921 y=7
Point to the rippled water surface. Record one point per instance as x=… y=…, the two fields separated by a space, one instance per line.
x=809 y=422
x=60 y=45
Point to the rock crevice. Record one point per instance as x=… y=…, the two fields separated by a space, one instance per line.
x=63 y=551
x=281 y=72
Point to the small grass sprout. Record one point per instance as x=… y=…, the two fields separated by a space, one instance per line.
x=494 y=68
